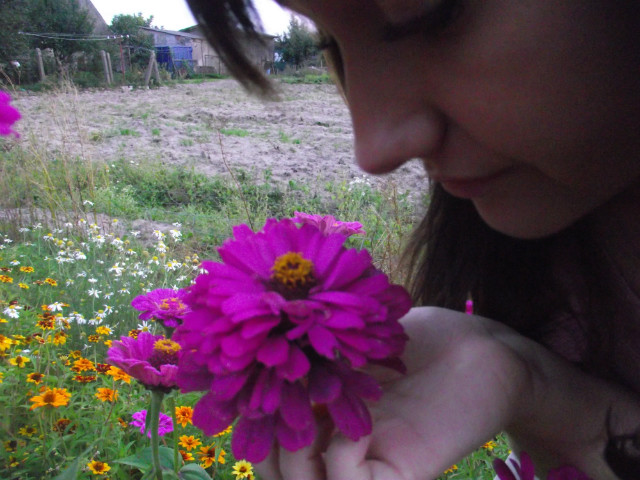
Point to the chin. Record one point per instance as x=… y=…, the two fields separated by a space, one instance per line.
x=523 y=226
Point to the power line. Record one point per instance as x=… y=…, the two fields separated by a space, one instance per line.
x=76 y=37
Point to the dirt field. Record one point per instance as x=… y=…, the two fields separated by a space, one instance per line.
x=305 y=137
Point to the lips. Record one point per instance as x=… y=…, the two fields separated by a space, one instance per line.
x=470 y=187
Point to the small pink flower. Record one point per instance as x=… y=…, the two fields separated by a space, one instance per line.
x=8 y=115
x=140 y=418
x=328 y=224
x=282 y=324
x=468 y=307
x=164 y=304
x=151 y=359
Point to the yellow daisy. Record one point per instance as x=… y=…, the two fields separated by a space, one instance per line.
x=98 y=468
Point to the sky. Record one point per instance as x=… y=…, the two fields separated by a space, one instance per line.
x=175 y=14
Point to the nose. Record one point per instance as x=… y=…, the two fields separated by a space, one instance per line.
x=393 y=119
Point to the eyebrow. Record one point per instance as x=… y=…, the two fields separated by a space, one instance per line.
x=429 y=21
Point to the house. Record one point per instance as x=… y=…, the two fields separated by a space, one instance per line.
x=189 y=47
x=100 y=27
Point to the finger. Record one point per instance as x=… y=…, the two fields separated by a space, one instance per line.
x=346 y=459
x=269 y=469
x=308 y=462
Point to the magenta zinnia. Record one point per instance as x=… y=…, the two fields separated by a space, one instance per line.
x=8 y=115
x=151 y=359
x=328 y=224
x=281 y=325
x=164 y=304
x=165 y=424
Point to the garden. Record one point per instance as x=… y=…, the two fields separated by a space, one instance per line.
x=114 y=203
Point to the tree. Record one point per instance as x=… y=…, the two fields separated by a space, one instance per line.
x=139 y=43
x=297 y=45
x=67 y=21
x=12 y=20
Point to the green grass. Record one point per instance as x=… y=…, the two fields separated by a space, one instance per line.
x=235 y=132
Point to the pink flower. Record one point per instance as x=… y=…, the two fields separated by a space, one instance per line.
x=281 y=324
x=140 y=418
x=164 y=304
x=151 y=359
x=8 y=115
x=328 y=224
x=526 y=470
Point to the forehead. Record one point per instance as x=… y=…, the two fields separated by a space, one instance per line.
x=393 y=10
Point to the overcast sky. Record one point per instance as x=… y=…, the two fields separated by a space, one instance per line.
x=174 y=14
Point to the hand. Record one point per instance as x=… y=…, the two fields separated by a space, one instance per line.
x=465 y=378
x=468 y=378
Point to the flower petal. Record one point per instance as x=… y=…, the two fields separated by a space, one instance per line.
x=252 y=438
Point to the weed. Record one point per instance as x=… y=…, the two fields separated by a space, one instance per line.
x=234 y=132
x=129 y=132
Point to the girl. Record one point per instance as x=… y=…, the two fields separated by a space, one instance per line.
x=525 y=114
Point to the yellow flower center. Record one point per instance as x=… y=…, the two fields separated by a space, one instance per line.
x=174 y=302
x=166 y=346
x=293 y=271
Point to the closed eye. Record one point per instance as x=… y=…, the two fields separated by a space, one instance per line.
x=430 y=23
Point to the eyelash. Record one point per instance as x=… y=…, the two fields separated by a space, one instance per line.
x=431 y=24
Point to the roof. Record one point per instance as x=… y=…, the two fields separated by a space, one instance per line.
x=197 y=29
x=195 y=36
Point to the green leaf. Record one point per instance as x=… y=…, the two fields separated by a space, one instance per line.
x=193 y=471
x=143 y=461
x=72 y=471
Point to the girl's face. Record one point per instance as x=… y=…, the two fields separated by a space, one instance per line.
x=529 y=108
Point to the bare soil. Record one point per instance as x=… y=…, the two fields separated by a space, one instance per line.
x=212 y=127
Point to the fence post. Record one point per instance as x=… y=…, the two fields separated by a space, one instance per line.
x=40 y=64
x=105 y=66
x=156 y=73
x=110 y=67
x=147 y=74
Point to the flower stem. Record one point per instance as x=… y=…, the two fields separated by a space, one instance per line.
x=154 y=422
x=172 y=407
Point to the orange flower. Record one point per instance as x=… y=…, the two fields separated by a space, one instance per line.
x=83 y=364
x=189 y=442
x=184 y=415
x=186 y=456
x=107 y=395
x=51 y=397
x=207 y=456
x=119 y=374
